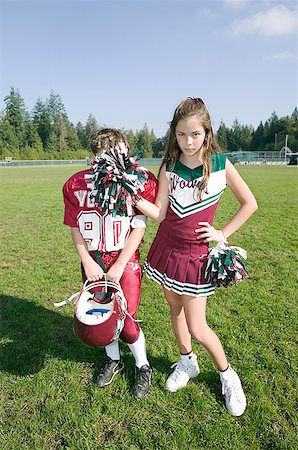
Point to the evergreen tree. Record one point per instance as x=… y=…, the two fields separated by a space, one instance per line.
x=51 y=147
x=239 y=137
x=222 y=136
x=9 y=143
x=153 y=138
x=56 y=108
x=258 y=138
x=42 y=121
x=73 y=140
x=33 y=139
x=290 y=128
x=274 y=127
x=294 y=115
x=144 y=143
x=59 y=122
x=159 y=147
x=294 y=134
x=90 y=127
x=233 y=137
x=80 y=130
x=131 y=140
x=246 y=137
x=48 y=133
x=15 y=113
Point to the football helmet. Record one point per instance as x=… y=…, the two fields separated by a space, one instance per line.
x=100 y=312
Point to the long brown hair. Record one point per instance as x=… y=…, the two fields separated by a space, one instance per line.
x=187 y=108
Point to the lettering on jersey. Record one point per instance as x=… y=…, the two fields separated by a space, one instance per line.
x=177 y=181
x=81 y=196
x=117 y=228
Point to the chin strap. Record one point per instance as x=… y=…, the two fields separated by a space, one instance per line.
x=69 y=299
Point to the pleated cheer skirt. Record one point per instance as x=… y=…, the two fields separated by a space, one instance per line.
x=178 y=264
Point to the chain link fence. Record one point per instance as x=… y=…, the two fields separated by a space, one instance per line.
x=252 y=158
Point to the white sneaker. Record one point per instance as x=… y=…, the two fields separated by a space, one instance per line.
x=233 y=392
x=184 y=370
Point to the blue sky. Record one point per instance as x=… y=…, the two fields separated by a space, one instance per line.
x=131 y=62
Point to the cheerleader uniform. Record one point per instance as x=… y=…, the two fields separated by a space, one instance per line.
x=177 y=260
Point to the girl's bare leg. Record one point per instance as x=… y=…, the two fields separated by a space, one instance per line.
x=179 y=321
x=195 y=315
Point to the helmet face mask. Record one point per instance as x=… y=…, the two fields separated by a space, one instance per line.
x=99 y=316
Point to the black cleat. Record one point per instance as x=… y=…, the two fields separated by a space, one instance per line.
x=142 y=381
x=108 y=371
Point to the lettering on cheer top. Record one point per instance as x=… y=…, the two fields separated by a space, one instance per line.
x=177 y=181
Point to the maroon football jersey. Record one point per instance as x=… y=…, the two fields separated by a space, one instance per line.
x=101 y=231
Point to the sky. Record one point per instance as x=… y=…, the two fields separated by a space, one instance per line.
x=131 y=62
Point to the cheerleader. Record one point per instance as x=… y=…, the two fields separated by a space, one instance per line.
x=193 y=176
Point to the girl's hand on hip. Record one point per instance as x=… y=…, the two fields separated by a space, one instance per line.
x=208 y=233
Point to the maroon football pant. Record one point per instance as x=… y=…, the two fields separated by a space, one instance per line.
x=130 y=283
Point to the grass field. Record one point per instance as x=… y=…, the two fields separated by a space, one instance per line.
x=48 y=399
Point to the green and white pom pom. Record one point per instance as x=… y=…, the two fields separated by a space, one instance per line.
x=117 y=180
x=226 y=265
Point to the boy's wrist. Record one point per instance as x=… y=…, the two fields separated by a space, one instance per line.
x=120 y=263
x=86 y=259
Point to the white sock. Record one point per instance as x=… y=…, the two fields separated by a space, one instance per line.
x=228 y=369
x=138 y=349
x=226 y=374
x=187 y=357
x=112 y=350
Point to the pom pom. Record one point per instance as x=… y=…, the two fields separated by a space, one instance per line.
x=118 y=180
x=226 y=265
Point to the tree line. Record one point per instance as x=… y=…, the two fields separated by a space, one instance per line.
x=47 y=133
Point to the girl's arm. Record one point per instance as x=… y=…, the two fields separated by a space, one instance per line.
x=248 y=206
x=157 y=211
x=93 y=270
x=115 y=272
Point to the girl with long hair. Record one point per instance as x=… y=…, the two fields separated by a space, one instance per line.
x=192 y=178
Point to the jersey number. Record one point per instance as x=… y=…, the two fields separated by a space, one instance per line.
x=90 y=228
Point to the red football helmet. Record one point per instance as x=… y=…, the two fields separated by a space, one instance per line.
x=99 y=316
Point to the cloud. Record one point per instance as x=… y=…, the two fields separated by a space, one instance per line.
x=235 y=3
x=283 y=56
x=204 y=12
x=276 y=21
x=238 y=4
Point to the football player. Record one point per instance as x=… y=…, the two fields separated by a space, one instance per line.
x=106 y=231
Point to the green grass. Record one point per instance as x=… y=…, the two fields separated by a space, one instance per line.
x=48 y=399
